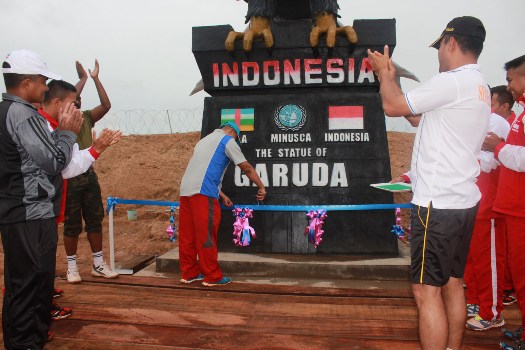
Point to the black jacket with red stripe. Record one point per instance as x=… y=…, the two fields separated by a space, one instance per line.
x=31 y=161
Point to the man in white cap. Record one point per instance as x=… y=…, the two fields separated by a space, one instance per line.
x=31 y=161
x=456 y=111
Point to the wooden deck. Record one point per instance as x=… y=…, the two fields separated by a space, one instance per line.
x=158 y=313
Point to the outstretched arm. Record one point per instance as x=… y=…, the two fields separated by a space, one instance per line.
x=105 y=105
x=250 y=172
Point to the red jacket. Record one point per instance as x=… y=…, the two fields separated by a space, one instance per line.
x=510 y=197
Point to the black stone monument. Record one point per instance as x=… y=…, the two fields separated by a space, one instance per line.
x=313 y=127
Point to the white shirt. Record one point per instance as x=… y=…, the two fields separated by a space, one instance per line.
x=456 y=111
x=80 y=162
x=500 y=127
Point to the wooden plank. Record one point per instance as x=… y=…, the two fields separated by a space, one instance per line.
x=255 y=288
x=262 y=320
x=151 y=337
x=80 y=344
x=159 y=337
x=134 y=263
x=154 y=313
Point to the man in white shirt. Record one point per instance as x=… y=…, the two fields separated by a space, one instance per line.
x=456 y=109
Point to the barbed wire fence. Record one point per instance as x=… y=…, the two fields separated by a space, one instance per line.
x=171 y=121
x=151 y=122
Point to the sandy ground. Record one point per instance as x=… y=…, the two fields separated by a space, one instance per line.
x=151 y=167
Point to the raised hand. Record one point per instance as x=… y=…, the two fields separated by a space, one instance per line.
x=94 y=73
x=106 y=138
x=81 y=72
x=70 y=118
x=381 y=63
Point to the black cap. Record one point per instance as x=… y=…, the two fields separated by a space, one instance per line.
x=466 y=25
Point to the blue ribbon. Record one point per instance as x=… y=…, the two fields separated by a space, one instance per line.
x=308 y=208
x=113 y=201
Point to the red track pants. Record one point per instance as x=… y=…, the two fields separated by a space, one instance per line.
x=199 y=219
x=484 y=273
x=516 y=248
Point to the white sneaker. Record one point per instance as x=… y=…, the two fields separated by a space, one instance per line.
x=73 y=276
x=103 y=271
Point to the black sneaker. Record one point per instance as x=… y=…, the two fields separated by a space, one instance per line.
x=513 y=335
x=509 y=297
x=516 y=345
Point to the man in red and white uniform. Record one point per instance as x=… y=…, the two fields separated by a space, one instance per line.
x=484 y=273
x=511 y=190
x=502 y=103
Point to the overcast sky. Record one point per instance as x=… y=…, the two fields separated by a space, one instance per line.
x=144 y=47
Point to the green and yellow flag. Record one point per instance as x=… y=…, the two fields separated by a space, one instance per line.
x=243 y=117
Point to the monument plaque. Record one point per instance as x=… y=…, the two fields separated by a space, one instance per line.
x=313 y=127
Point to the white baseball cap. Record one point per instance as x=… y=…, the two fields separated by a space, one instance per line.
x=27 y=62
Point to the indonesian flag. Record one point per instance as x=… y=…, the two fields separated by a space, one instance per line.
x=345 y=117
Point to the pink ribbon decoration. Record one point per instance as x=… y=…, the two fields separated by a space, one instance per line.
x=314 y=230
x=243 y=233
x=170 y=231
x=398 y=230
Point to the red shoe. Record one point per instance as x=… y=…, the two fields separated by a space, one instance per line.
x=57 y=292
x=60 y=313
x=509 y=297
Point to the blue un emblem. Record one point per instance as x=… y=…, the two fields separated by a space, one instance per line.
x=290 y=117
